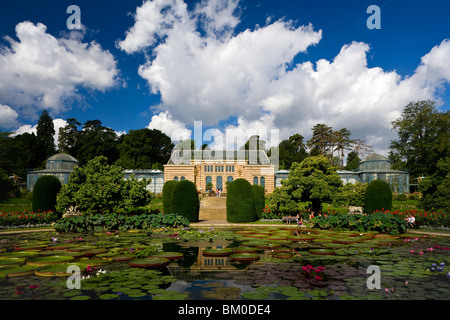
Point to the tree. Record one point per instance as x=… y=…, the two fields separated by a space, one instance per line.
x=321 y=138
x=352 y=161
x=436 y=188
x=343 y=143
x=45 y=132
x=99 y=187
x=7 y=186
x=291 y=150
x=68 y=137
x=96 y=140
x=281 y=199
x=314 y=180
x=423 y=137
x=144 y=148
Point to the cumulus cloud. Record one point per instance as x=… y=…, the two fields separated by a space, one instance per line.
x=204 y=71
x=174 y=129
x=27 y=128
x=40 y=71
x=8 y=117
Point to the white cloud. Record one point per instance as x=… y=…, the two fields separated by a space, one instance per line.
x=27 y=128
x=8 y=117
x=203 y=71
x=40 y=71
x=172 y=128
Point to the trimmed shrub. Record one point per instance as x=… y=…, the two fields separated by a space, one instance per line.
x=45 y=192
x=260 y=204
x=240 y=202
x=167 y=195
x=185 y=200
x=378 y=197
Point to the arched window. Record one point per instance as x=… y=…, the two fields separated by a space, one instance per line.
x=230 y=179
x=219 y=183
x=175 y=178
x=262 y=182
x=208 y=181
x=255 y=181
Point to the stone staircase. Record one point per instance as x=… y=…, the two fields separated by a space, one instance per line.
x=213 y=208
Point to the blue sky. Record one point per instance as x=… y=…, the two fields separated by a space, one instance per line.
x=268 y=74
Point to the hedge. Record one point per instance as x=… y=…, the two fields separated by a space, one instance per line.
x=260 y=201
x=45 y=191
x=240 y=202
x=185 y=200
x=167 y=195
x=378 y=196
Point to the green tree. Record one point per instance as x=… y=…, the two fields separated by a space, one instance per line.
x=98 y=187
x=423 y=137
x=96 y=140
x=281 y=199
x=291 y=150
x=351 y=195
x=7 y=186
x=144 y=148
x=321 y=139
x=352 y=161
x=45 y=132
x=314 y=180
x=436 y=188
x=68 y=137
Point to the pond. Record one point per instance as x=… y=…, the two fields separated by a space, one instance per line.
x=262 y=263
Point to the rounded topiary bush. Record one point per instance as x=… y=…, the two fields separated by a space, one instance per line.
x=167 y=195
x=185 y=200
x=378 y=197
x=258 y=193
x=240 y=202
x=45 y=191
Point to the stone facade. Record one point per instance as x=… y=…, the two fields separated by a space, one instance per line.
x=202 y=170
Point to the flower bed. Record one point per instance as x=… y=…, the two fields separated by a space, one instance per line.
x=27 y=218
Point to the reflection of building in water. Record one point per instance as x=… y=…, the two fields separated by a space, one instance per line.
x=207 y=267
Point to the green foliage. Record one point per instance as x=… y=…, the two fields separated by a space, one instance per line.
x=314 y=180
x=45 y=192
x=240 y=202
x=119 y=221
x=378 y=196
x=167 y=195
x=6 y=186
x=280 y=200
x=185 y=200
x=98 y=187
x=423 y=137
x=260 y=201
x=351 y=195
x=144 y=149
x=377 y=222
x=436 y=188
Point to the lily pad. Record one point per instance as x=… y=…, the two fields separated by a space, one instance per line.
x=44 y=261
x=149 y=262
x=244 y=257
x=168 y=255
x=322 y=251
x=11 y=261
x=217 y=252
x=17 y=271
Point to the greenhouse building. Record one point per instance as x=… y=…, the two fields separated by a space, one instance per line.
x=377 y=167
